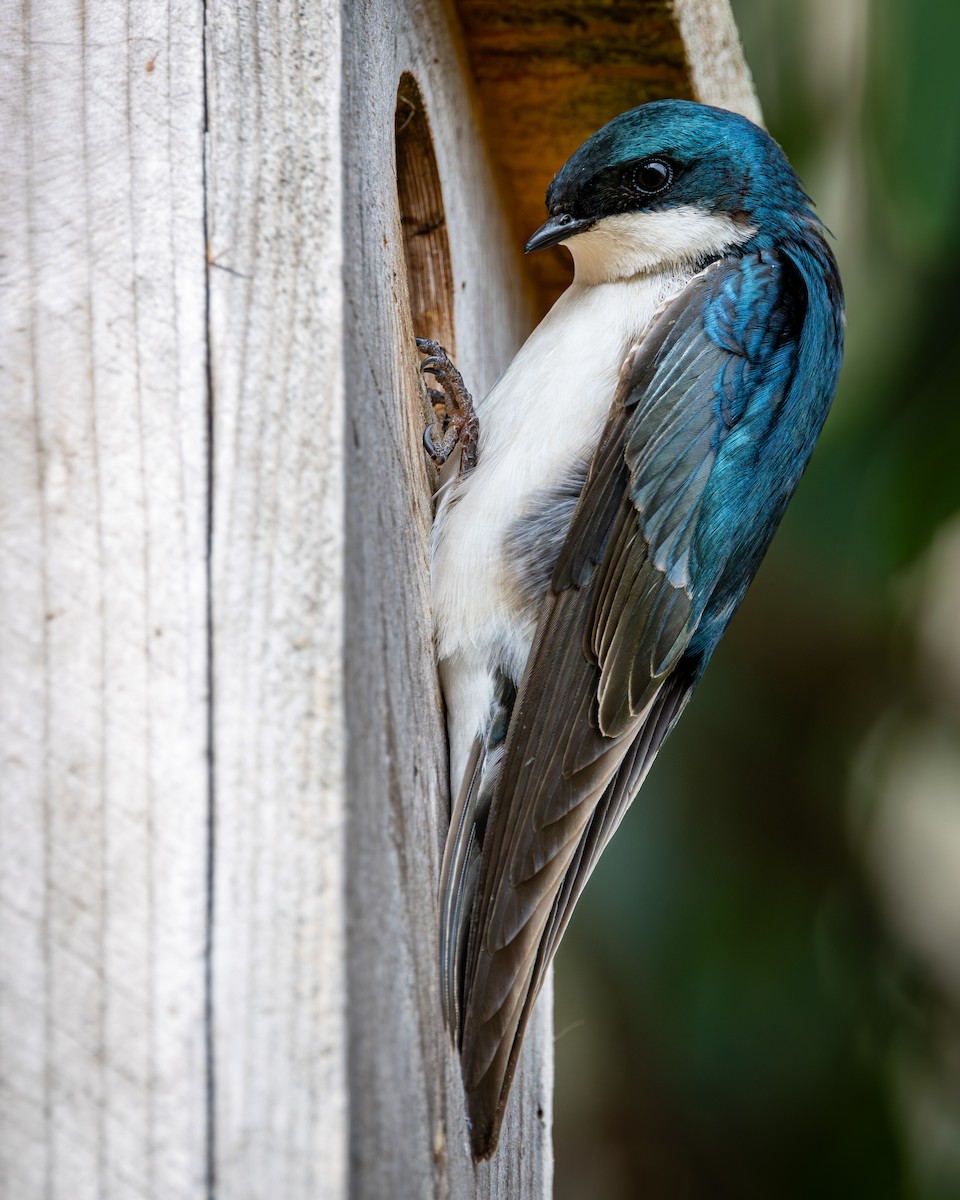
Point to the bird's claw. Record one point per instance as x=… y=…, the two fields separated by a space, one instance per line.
x=438 y=454
x=456 y=422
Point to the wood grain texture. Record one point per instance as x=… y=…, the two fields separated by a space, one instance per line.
x=718 y=71
x=103 y=805
x=214 y=517
x=423 y=223
x=279 y=1005
x=408 y=1134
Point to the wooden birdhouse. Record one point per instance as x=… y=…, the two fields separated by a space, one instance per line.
x=224 y=777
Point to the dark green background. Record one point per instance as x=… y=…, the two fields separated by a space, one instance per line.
x=759 y=994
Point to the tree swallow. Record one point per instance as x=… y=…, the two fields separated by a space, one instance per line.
x=632 y=465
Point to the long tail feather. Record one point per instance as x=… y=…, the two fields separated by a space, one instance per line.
x=461 y=856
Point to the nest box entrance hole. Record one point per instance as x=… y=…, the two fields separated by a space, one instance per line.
x=423 y=222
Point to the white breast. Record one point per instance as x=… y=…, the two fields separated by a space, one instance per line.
x=544 y=415
x=541 y=420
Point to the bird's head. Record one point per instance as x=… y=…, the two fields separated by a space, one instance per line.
x=665 y=185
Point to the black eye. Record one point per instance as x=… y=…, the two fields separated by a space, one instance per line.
x=652 y=176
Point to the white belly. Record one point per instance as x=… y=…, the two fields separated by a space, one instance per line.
x=544 y=415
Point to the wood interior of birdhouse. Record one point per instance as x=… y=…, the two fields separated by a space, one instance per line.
x=547 y=76
x=426 y=248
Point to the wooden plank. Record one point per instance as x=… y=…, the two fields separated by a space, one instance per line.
x=283 y=501
x=102 y=602
x=408 y=1085
x=408 y=1131
x=279 y=1001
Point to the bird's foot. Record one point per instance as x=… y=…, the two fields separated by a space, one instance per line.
x=456 y=423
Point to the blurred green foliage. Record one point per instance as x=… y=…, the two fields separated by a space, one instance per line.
x=741 y=1010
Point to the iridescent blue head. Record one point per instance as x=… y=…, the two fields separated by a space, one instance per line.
x=671 y=181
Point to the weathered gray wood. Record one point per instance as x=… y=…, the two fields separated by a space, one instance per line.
x=280 y=416
x=718 y=71
x=103 y=804
x=408 y=1133
x=279 y=971
x=166 y=291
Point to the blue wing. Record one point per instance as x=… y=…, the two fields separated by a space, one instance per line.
x=716 y=415
x=690 y=455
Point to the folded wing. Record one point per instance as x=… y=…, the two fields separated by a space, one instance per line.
x=619 y=645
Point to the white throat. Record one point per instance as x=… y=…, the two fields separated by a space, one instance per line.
x=629 y=244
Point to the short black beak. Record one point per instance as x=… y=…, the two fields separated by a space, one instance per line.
x=557 y=229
